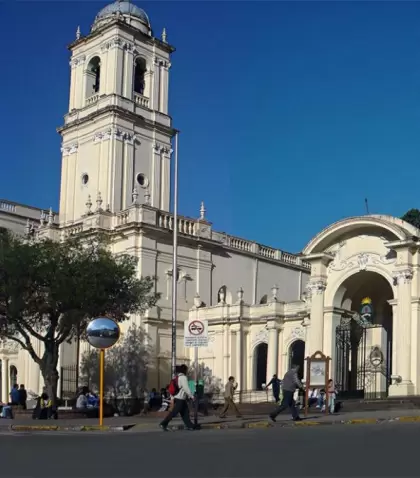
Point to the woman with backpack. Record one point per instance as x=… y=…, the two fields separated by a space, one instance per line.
x=180 y=391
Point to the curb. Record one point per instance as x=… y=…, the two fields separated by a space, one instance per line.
x=355 y=421
x=80 y=428
x=215 y=426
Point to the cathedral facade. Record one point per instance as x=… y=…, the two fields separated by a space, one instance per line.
x=353 y=293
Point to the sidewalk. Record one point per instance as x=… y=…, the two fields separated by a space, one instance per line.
x=146 y=424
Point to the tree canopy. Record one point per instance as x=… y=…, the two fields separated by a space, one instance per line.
x=126 y=365
x=50 y=290
x=412 y=217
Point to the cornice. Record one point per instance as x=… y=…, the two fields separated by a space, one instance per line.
x=122 y=113
x=115 y=133
x=149 y=40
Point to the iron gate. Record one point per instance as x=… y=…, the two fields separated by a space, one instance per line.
x=361 y=370
x=68 y=378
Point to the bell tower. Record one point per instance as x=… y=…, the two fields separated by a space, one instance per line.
x=116 y=136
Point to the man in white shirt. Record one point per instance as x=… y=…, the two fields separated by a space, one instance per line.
x=182 y=394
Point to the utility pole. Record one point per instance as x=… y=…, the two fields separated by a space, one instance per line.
x=175 y=259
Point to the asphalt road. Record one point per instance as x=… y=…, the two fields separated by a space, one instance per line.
x=333 y=451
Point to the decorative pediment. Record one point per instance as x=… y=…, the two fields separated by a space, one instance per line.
x=361 y=261
x=9 y=347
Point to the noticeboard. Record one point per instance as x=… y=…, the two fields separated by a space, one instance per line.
x=317 y=376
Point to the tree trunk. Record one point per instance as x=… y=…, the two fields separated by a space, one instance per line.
x=51 y=383
x=49 y=370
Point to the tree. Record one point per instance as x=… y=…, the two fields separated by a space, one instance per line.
x=412 y=217
x=126 y=365
x=50 y=290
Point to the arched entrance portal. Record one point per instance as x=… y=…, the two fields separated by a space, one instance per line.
x=363 y=355
x=260 y=360
x=297 y=356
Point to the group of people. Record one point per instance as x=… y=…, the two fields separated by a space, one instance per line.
x=288 y=387
x=291 y=383
x=18 y=397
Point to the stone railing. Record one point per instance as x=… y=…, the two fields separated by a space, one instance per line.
x=185 y=225
x=191 y=227
x=7 y=207
x=92 y=99
x=141 y=100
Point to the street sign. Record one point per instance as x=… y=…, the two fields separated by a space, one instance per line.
x=196 y=333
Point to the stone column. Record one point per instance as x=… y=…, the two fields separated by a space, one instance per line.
x=250 y=368
x=316 y=289
x=273 y=350
x=402 y=384
x=226 y=354
x=5 y=379
x=239 y=362
x=331 y=322
x=232 y=354
x=280 y=356
x=415 y=341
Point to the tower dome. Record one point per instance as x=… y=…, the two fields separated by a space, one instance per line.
x=127 y=11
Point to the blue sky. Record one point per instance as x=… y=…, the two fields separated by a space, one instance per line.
x=291 y=113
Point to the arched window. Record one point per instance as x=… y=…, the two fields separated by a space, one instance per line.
x=139 y=72
x=297 y=356
x=260 y=361
x=93 y=76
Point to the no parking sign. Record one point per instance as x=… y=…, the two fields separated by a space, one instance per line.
x=196 y=333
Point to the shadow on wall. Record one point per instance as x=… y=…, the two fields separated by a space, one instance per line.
x=212 y=385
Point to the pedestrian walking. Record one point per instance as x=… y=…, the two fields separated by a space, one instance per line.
x=275 y=384
x=179 y=389
x=230 y=388
x=290 y=384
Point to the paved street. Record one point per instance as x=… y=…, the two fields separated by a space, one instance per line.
x=341 y=451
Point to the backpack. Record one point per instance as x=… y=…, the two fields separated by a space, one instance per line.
x=173 y=388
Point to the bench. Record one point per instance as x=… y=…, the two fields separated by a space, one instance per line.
x=66 y=414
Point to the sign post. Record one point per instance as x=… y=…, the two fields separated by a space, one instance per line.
x=102 y=333
x=195 y=336
x=317 y=375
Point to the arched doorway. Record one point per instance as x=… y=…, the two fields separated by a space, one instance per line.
x=297 y=356
x=260 y=361
x=363 y=354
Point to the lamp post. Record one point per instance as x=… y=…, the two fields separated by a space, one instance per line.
x=175 y=259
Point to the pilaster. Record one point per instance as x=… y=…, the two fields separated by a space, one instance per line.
x=316 y=289
x=226 y=352
x=164 y=85
x=402 y=384
x=415 y=343
x=273 y=348
x=5 y=379
x=165 y=180
x=316 y=294
x=237 y=334
x=331 y=322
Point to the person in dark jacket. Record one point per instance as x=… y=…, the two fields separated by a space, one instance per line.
x=275 y=383
x=23 y=396
x=290 y=383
